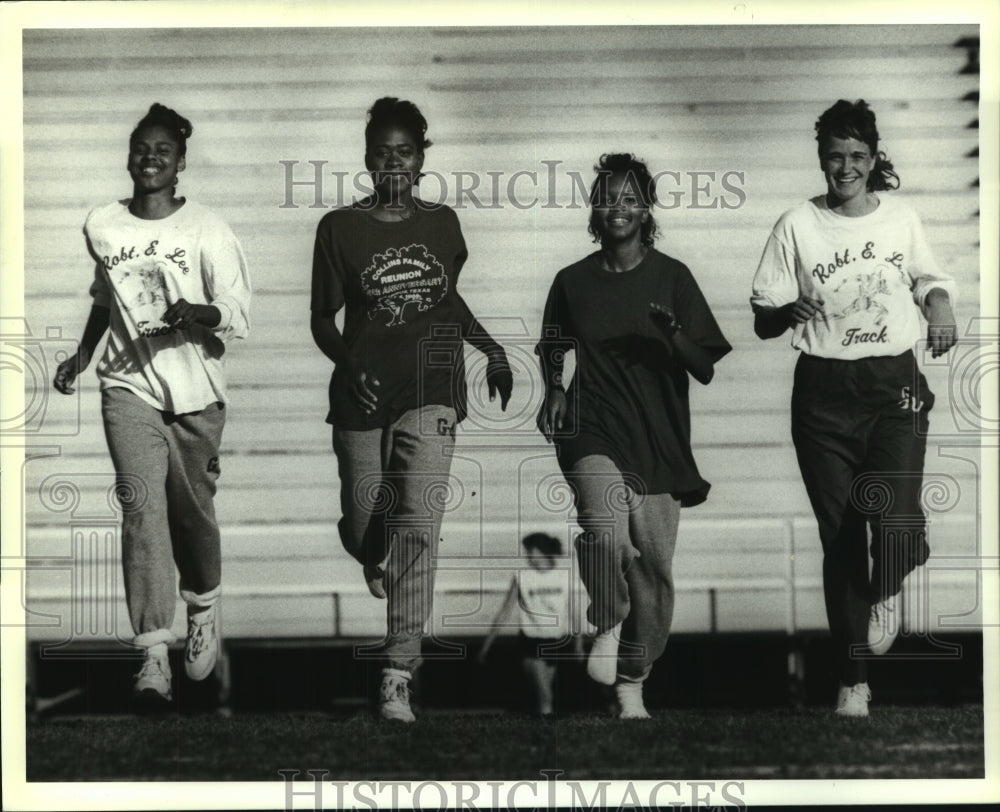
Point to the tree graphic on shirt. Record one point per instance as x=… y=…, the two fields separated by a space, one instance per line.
x=400 y=280
x=397 y=305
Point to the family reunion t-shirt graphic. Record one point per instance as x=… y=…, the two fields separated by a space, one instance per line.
x=401 y=277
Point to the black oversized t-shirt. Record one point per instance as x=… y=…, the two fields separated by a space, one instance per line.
x=629 y=397
x=403 y=319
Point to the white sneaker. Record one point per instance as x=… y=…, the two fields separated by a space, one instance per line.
x=152 y=683
x=394 y=696
x=630 y=704
x=852 y=700
x=883 y=624
x=375 y=578
x=202 y=647
x=602 y=664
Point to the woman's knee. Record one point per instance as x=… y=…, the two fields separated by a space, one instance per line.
x=655 y=575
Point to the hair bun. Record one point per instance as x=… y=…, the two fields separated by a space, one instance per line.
x=390 y=111
x=160 y=115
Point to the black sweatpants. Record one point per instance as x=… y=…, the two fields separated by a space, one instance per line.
x=860 y=429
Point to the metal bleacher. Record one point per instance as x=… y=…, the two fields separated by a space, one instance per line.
x=709 y=99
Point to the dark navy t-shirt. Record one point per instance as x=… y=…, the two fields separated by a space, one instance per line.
x=629 y=397
x=404 y=318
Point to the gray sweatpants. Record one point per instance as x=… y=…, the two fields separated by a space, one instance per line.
x=166 y=466
x=626 y=552
x=393 y=488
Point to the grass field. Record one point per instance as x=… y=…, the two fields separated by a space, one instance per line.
x=893 y=743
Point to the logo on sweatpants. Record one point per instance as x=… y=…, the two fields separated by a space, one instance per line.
x=909 y=401
x=213 y=466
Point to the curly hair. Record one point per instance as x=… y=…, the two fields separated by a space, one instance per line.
x=857 y=120
x=635 y=170
x=392 y=112
x=172 y=121
x=545 y=544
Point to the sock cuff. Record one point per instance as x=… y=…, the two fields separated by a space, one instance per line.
x=202 y=601
x=634 y=680
x=153 y=638
x=397 y=672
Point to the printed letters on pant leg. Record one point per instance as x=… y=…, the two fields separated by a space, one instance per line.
x=896 y=463
x=139 y=451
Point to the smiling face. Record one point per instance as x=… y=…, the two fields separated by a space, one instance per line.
x=619 y=211
x=394 y=159
x=846 y=163
x=154 y=159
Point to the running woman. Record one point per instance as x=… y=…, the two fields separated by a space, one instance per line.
x=850 y=272
x=540 y=596
x=171 y=289
x=398 y=387
x=640 y=327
